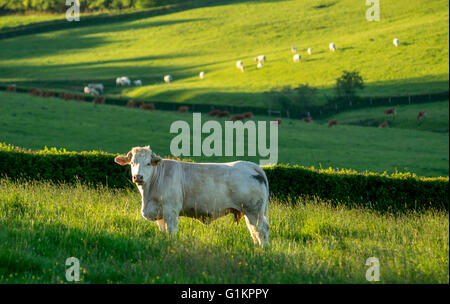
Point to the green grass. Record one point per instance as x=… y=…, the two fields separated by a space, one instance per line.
x=406 y=118
x=211 y=37
x=41 y=225
x=34 y=122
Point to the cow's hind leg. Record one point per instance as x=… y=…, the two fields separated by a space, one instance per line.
x=258 y=225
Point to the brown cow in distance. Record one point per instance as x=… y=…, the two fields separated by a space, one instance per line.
x=390 y=112
x=147 y=106
x=307 y=119
x=223 y=114
x=421 y=114
x=99 y=100
x=213 y=113
x=183 y=109
x=278 y=121
x=11 y=88
x=383 y=125
x=238 y=117
x=332 y=122
x=248 y=115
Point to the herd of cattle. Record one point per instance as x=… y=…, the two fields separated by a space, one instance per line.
x=96 y=89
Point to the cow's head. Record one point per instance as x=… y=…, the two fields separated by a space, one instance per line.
x=142 y=161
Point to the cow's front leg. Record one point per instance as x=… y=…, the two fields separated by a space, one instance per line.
x=171 y=218
x=162 y=225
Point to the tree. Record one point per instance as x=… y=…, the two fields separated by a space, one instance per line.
x=348 y=83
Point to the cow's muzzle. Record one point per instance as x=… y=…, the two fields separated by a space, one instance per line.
x=138 y=179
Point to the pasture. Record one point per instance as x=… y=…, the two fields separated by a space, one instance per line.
x=34 y=122
x=311 y=242
x=211 y=37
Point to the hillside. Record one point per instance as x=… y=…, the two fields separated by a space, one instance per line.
x=212 y=37
x=34 y=122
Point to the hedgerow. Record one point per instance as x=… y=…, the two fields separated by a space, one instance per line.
x=394 y=192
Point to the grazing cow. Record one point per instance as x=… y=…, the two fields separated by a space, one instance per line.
x=332 y=47
x=90 y=91
x=138 y=83
x=48 y=94
x=383 y=125
x=309 y=51
x=34 y=92
x=204 y=191
x=131 y=104
x=213 y=113
x=223 y=114
x=201 y=75
x=259 y=65
x=307 y=119
x=96 y=86
x=99 y=100
x=294 y=49
x=240 y=65
x=421 y=114
x=238 y=117
x=260 y=59
x=278 y=121
x=122 y=81
x=297 y=58
x=332 y=122
x=147 y=106
x=390 y=112
x=68 y=96
x=248 y=115
x=80 y=97
x=183 y=109
x=11 y=88
x=167 y=79
x=396 y=42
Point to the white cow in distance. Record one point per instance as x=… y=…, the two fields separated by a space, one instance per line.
x=138 y=83
x=204 y=191
x=332 y=47
x=122 y=81
x=96 y=86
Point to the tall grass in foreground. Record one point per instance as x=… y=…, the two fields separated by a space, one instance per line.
x=42 y=224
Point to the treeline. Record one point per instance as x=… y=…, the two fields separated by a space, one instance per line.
x=85 y=5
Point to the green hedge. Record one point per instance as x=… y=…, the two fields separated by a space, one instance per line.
x=401 y=191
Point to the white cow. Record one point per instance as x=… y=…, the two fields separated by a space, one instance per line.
x=123 y=81
x=332 y=47
x=96 y=86
x=309 y=51
x=396 y=42
x=260 y=58
x=138 y=83
x=167 y=79
x=204 y=191
x=91 y=91
x=297 y=58
x=202 y=75
x=259 y=65
x=293 y=49
x=240 y=65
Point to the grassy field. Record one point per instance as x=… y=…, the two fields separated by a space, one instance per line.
x=406 y=118
x=34 y=122
x=311 y=242
x=211 y=37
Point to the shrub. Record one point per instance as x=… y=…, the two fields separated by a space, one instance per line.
x=348 y=83
x=396 y=192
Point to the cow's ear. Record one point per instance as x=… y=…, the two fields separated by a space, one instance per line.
x=155 y=159
x=123 y=160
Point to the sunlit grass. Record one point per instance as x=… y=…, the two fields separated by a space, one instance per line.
x=311 y=242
